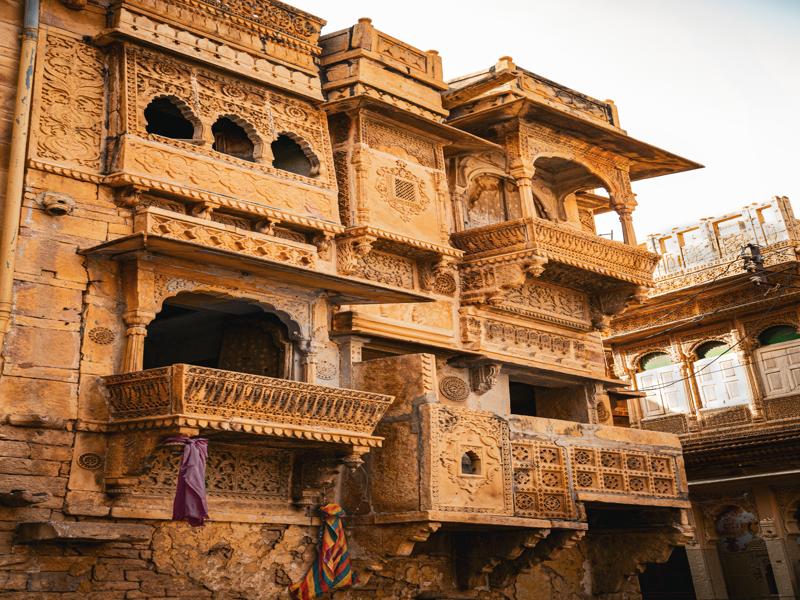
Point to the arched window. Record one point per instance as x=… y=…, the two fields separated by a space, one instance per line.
x=164 y=118
x=290 y=156
x=661 y=379
x=654 y=360
x=720 y=376
x=470 y=463
x=779 y=360
x=778 y=335
x=206 y=331
x=710 y=350
x=231 y=138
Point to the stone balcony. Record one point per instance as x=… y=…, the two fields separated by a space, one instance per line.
x=447 y=464
x=534 y=245
x=184 y=396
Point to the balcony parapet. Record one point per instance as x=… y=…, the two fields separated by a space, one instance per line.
x=189 y=396
x=533 y=472
x=538 y=242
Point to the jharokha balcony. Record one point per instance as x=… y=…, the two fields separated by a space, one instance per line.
x=190 y=397
x=538 y=245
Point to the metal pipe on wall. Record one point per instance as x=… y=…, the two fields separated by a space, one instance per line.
x=12 y=202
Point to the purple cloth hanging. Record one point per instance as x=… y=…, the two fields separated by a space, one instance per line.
x=190 y=498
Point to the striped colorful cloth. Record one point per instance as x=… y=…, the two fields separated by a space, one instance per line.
x=331 y=569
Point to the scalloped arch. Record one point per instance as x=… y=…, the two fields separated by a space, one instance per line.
x=305 y=147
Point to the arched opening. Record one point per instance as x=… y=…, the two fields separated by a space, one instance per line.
x=654 y=360
x=555 y=182
x=219 y=333
x=778 y=334
x=470 y=463
x=779 y=360
x=490 y=199
x=165 y=118
x=288 y=155
x=660 y=378
x=710 y=350
x=720 y=376
x=231 y=138
x=743 y=555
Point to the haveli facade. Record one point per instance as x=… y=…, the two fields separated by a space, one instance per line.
x=359 y=282
x=714 y=353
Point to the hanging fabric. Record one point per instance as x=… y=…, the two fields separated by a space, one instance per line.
x=331 y=569
x=190 y=497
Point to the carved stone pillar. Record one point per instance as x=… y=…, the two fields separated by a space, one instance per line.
x=138 y=289
x=136 y=321
x=748 y=347
x=706 y=569
x=690 y=384
x=780 y=561
x=625 y=213
x=522 y=177
x=634 y=404
x=360 y=164
x=310 y=351
x=457 y=200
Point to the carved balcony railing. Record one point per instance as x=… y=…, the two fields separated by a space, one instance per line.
x=198 y=397
x=524 y=471
x=537 y=242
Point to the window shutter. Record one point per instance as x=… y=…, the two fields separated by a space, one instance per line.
x=780 y=368
x=652 y=404
x=674 y=389
x=722 y=381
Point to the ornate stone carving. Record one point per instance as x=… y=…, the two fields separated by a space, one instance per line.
x=541 y=485
x=454 y=433
x=72 y=103
x=453 y=388
x=628 y=472
x=232 y=471
x=393 y=140
x=402 y=190
x=562 y=244
x=209 y=234
x=484 y=377
x=547 y=302
x=102 y=335
x=238 y=401
x=91 y=461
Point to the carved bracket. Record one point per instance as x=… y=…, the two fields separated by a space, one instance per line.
x=484 y=377
x=606 y=306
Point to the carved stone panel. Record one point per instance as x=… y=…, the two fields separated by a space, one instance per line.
x=470 y=461
x=72 y=104
x=548 y=303
x=232 y=471
x=541 y=481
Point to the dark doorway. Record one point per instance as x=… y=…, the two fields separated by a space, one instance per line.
x=221 y=334
x=671 y=580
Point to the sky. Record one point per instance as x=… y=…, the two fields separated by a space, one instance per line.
x=715 y=81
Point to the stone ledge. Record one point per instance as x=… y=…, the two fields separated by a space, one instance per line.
x=81 y=532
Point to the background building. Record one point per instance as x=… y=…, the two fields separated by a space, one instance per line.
x=715 y=353
x=358 y=282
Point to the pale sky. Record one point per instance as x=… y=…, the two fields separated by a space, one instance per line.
x=716 y=81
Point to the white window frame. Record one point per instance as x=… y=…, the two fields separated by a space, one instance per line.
x=667 y=399
x=790 y=376
x=722 y=381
